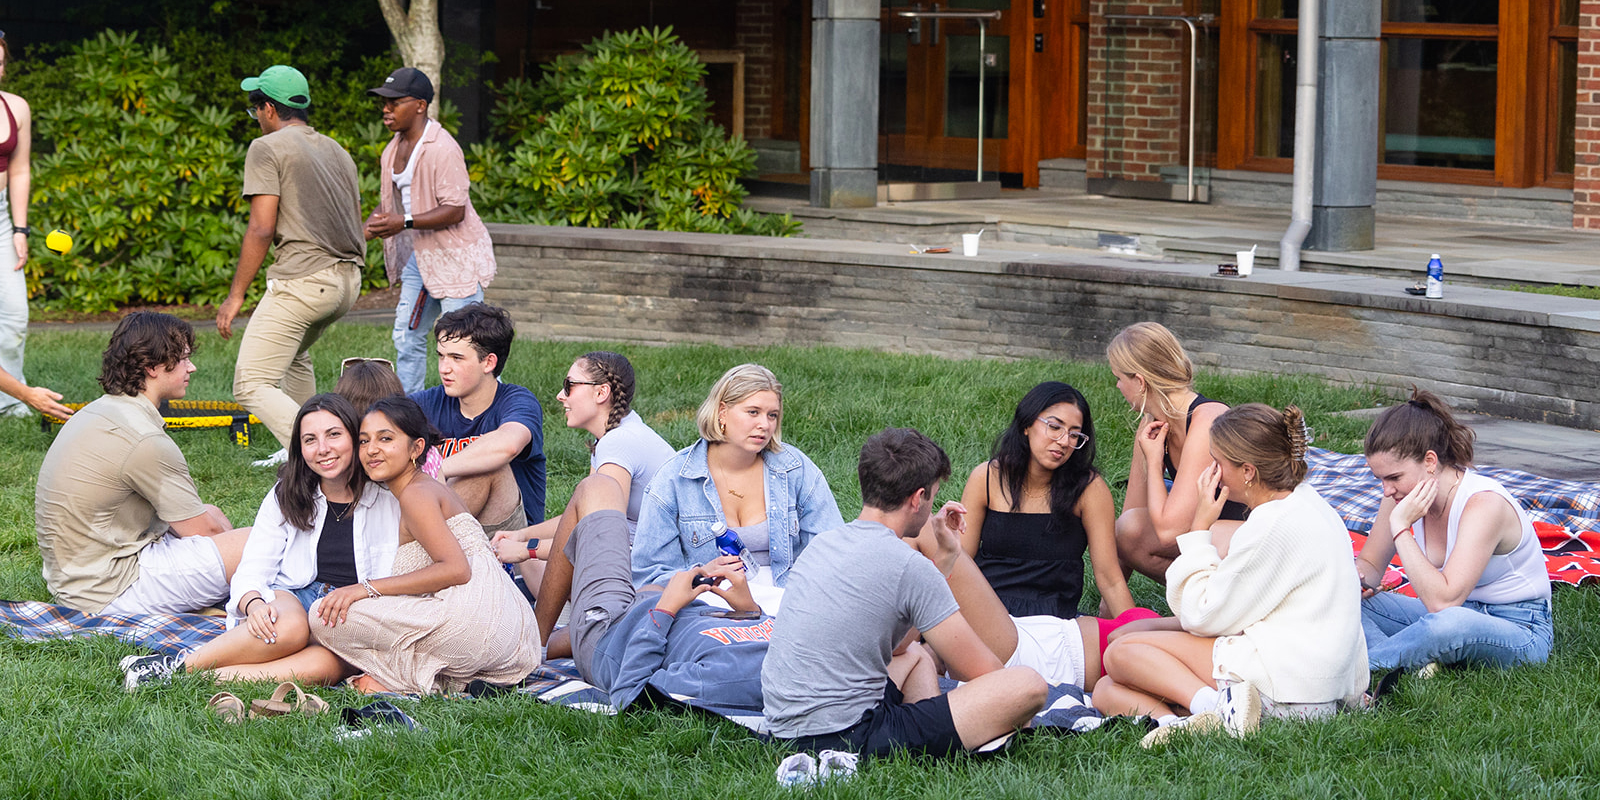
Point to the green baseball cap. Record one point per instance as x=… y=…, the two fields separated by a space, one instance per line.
x=283 y=84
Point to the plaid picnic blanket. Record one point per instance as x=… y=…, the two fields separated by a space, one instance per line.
x=169 y=634
x=557 y=682
x=1565 y=514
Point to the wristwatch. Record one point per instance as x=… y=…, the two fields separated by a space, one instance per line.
x=409 y=224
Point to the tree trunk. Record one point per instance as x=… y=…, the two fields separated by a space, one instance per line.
x=416 y=32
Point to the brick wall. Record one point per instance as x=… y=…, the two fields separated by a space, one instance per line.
x=1136 y=91
x=1586 y=178
x=1513 y=354
x=755 y=31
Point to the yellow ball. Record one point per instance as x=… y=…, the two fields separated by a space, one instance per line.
x=59 y=241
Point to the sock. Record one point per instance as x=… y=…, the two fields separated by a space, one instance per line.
x=1162 y=722
x=1204 y=700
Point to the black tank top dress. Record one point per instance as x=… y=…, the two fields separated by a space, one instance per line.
x=1034 y=563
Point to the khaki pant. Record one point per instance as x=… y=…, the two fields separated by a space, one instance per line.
x=273 y=376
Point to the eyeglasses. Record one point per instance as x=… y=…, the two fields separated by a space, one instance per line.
x=252 y=112
x=1056 y=431
x=345 y=365
x=568 y=383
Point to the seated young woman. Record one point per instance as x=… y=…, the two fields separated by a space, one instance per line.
x=323 y=526
x=448 y=614
x=1274 y=622
x=739 y=477
x=597 y=395
x=366 y=380
x=1038 y=504
x=1173 y=444
x=1483 y=591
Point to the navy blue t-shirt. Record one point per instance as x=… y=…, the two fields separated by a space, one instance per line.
x=512 y=403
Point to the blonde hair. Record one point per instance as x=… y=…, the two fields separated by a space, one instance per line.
x=1149 y=350
x=734 y=386
x=1272 y=440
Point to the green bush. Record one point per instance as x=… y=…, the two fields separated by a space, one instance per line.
x=146 y=176
x=620 y=137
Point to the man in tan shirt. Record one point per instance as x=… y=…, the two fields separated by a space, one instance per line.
x=306 y=205
x=120 y=526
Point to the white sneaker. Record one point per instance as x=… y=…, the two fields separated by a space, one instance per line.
x=1202 y=723
x=1428 y=671
x=1240 y=708
x=799 y=769
x=273 y=460
x=836 y=764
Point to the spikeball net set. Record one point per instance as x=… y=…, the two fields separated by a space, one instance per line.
x=189 y=414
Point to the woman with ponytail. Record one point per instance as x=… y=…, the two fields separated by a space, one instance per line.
x=597 y=396
x=1272 y=626
x=1483 y=592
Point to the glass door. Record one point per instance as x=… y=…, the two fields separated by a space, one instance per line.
x=944 y=73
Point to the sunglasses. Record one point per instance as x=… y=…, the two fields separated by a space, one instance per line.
x=568 y=383
x=345 y=365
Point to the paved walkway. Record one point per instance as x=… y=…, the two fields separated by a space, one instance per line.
x=1042 y=219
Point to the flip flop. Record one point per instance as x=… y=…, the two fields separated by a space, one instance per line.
x=227 y=706
x=382 y=715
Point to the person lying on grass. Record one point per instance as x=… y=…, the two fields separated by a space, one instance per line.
x=1483 y=591
x=323 y=526
x=1275 y=622
x=658 y=638
x=832 y=680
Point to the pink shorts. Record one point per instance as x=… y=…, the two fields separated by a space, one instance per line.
x=1109 y=625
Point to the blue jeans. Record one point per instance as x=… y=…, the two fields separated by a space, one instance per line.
x=411 y=345
x=308 y=594
x=1402 y=633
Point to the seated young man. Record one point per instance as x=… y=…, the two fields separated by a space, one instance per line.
x=828 y=680
x=658 y=637
x=493 y=432
x=120 y=526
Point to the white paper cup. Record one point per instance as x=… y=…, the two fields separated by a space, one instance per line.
x=1247 y=262
x=969 y=244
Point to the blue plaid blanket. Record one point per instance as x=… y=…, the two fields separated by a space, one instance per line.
x=1346 y=483
x=557 y=682
x=169 y=634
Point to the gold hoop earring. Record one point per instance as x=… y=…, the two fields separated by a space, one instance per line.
x=722 y=428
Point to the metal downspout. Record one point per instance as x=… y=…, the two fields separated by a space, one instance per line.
x=1305 y=136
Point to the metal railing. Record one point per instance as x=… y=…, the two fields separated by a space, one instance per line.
x=1192 y=23
x=982 y=18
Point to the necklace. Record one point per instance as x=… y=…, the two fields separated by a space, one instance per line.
x=1451 y=495
x=724 y=484
x=343 y=512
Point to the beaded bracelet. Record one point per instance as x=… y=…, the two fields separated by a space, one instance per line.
x=371 y=592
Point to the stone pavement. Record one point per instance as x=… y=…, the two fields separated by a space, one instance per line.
x=1035 y=220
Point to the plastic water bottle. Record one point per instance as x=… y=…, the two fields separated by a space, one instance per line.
x=729 y=544
x=1435 y=277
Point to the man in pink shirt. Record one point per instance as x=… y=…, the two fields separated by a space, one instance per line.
x=434 y=244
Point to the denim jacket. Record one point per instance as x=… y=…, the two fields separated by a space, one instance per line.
x=682 y=505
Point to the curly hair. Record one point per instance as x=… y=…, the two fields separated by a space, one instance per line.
x=488 y=329
x=143 y=341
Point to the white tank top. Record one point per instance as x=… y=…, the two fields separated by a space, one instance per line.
x=1509 y=578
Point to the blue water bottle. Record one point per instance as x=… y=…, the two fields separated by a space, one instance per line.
x=729 y=544
x=1435 y=277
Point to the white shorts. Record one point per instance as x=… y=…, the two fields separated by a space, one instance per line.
x=177 y=575
x=1051 y=646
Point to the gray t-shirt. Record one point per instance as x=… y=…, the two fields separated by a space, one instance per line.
x=637 y=448
x=852 y=596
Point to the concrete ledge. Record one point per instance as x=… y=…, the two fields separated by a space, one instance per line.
x=1518 y=355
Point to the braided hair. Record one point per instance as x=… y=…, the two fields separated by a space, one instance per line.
x=614 y=371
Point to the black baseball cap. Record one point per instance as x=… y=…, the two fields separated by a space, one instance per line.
x=405 y=82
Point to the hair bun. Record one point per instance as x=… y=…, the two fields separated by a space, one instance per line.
x=1294 y=423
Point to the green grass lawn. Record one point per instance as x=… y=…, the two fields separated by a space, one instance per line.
x=68 y=730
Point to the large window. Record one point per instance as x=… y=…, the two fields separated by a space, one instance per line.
x=1470 y=91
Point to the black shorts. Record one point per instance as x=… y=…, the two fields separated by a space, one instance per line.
x=922 y=727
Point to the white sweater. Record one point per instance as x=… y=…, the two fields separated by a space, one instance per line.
x=1285 y=604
